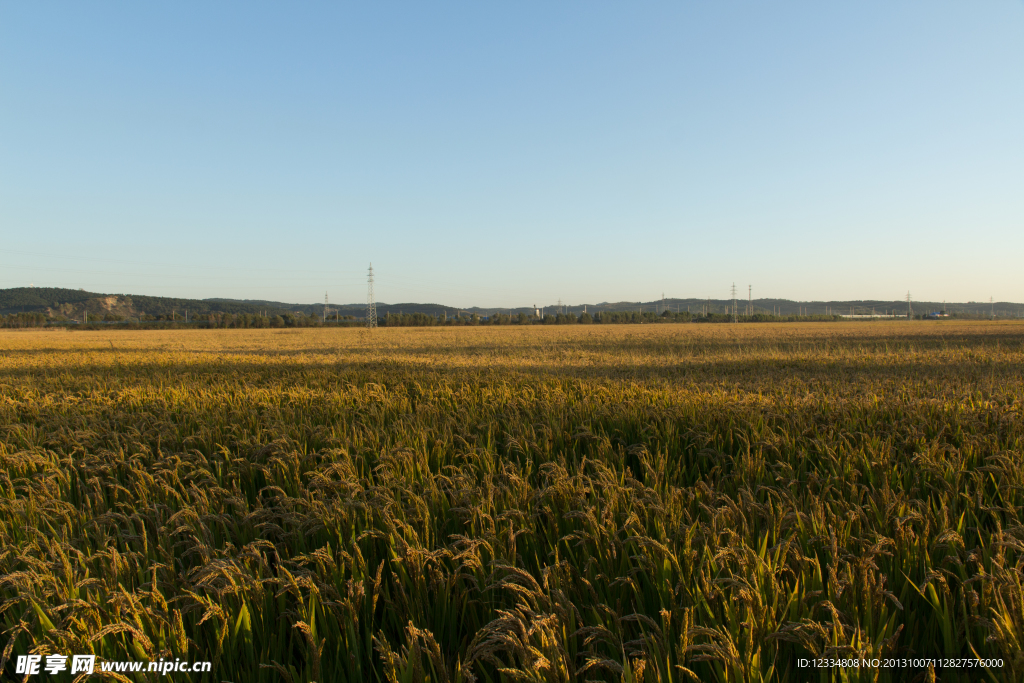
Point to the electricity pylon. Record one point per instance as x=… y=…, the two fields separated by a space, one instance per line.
x=371 y=305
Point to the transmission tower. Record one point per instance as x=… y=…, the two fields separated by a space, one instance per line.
x=734 y=302
x=325 y=307
x=750 y=299
x=371 y=305
x=910 y=312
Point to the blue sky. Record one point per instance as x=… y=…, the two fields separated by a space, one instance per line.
x=514 y=153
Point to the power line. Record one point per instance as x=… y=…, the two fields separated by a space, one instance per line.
x=154 y=264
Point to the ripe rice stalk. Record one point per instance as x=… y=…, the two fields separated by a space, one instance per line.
x=599 y=502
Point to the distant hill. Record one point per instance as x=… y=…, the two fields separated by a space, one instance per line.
x=73 y=304
x=28 y=299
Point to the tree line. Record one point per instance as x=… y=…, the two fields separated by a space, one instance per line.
x=599 y=318
x=203 y=320
x=299 y=319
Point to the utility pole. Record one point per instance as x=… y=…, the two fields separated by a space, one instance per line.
x=325 y=307
x=371 y=305
x=750 y=300
x=909 y=310
x=734 y=302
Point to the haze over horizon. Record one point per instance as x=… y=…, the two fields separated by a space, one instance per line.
x=503 y=155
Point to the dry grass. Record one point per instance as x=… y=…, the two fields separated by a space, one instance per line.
x=657 y=503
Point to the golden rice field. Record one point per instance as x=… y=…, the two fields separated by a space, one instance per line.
x=608 y=503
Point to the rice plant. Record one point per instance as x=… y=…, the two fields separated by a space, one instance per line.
x=606 y=503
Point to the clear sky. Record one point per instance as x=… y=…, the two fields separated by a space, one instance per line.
x=514 y=153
